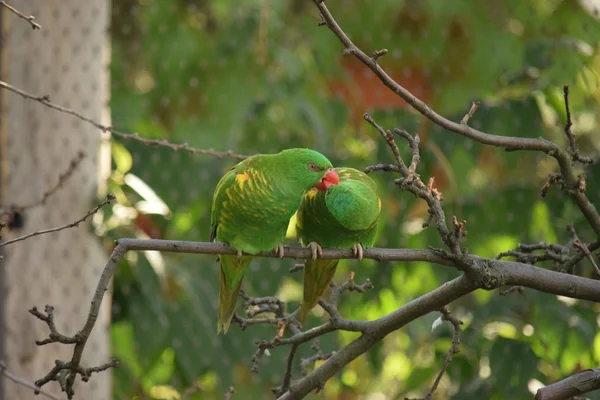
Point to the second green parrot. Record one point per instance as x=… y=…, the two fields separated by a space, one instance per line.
x=252 y=207
x=342 y=216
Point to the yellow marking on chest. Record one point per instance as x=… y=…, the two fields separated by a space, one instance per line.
x=241 y=179
x=312 y=193
x=379 y=203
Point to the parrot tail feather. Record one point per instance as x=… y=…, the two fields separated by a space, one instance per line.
x=317 y=275
x=232 y=275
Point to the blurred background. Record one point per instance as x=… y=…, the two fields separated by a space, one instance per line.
x=260 y=76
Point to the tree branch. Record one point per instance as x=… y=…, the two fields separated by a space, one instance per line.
x=377 y=330
x=582 y=382
x=93 y=211
x=23 y=382
x=45 y=100
x=62 y=178
x=509 y=143
x=454 y=349
x=30 y=19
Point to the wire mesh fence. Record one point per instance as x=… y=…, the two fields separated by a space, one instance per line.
x=262 y=76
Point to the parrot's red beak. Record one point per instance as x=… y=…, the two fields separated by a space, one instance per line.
x=331 y=178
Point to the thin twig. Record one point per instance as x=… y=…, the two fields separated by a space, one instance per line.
x=20 y=381
x=30 y=19
x=45 y=100
x=582 y=247
x=389 y=138
x=413 y=142
x=573 y=147
x=93 y=211
x=62 y=178
x=454 y=349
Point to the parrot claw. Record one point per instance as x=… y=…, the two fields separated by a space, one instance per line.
x=315 y=249
x=280 y=251
x=358 y=250
x=239 y=253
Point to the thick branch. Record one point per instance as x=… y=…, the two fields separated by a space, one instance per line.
x=381 y=327
x=581 y=382
x=45 y=100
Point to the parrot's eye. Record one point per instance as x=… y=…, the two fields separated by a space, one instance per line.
x=312 y=167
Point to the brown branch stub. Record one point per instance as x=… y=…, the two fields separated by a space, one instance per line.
x=229 y=394
x=377 y=54
x=573 y=147
x=553 y=179
x=45 y=100
x=581 y=184
x=469 y=115
x=30 y=19
x=109 y=197
x=459 y=228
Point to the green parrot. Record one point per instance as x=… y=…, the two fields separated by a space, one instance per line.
x=343 y=216
x=252 y=206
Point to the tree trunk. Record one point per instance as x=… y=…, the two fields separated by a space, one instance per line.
x=68 y=61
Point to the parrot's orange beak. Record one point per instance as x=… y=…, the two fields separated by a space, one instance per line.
x=331 y=178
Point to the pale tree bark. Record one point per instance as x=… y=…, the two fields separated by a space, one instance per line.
x=67 y=60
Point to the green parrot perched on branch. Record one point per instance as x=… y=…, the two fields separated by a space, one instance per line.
x=343 y=216
x=252 y=206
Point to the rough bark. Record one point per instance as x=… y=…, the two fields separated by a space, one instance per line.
x=67 y=60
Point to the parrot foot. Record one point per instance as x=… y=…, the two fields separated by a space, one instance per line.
x=239 y=253
x=358 y=250
x=280 y=251
x=315 y=249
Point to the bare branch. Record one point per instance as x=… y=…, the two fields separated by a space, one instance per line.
x=20 y=381
x=30 y=19
x=54 y=336
x=582 y=247
x=45 y=100
x=573 y=148
x=93 y=211
x=380 y=328
x=582 y=382
x=62 y=178
x=454 y=349
x=509 y=143
x=389 y=138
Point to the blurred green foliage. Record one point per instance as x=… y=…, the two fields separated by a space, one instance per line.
x=261 y=76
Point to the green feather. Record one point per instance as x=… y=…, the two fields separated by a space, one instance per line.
x=344 y=215
x=252 y=206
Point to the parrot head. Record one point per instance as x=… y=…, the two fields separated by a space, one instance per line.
x=308 y=168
